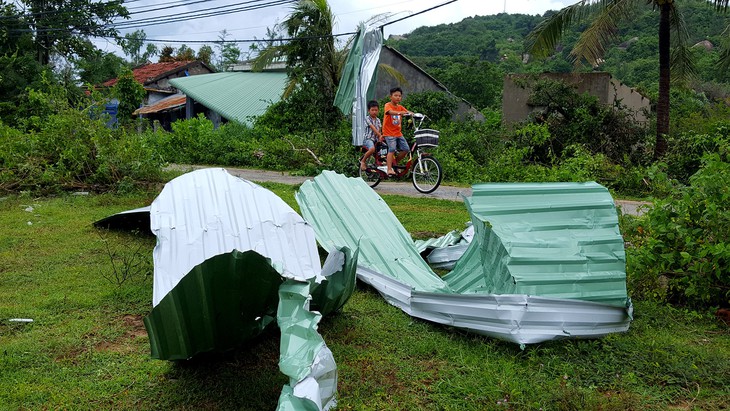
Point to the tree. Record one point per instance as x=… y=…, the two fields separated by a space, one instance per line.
x=311 y=57
x=132 y=44
x=18 y=66
x=228 y=52
x=592 y=43
x=129 y=93
x=205 y=54
x=166 y=54
x=99 y=66
x=64 y=26
x=184 y=53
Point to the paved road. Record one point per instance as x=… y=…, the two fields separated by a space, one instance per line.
x=405 y=188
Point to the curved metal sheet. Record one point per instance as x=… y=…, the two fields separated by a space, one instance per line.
x=209 y=212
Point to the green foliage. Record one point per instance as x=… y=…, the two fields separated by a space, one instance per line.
x=99 y=67
x=687 y=150
x=572 y=118
x=68 y=24
x=437 y=105
x=62 y=148
x=302 y=111
x=477 y=81
x=679 y=250
x=130 y=94
x=131 y=45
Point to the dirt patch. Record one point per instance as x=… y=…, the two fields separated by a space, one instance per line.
x=135 y=329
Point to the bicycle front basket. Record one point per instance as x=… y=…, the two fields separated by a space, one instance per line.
x=427 y=137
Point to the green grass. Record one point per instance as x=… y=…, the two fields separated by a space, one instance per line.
x=87 y=347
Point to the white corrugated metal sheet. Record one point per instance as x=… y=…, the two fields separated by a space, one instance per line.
x=209 y=212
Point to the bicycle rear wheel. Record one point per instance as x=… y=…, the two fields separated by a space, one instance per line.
x=426 y=175
x=370 y=175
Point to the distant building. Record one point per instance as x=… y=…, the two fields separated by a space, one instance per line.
x=162 y=100
x=417 y=80
x=609 y=91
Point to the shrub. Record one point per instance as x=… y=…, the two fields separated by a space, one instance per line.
x=679 y=251
x=68 y=150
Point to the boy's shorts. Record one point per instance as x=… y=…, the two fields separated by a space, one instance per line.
x=397 y=143
x=367 y=143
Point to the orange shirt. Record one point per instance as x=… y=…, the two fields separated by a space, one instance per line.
x=392 y=123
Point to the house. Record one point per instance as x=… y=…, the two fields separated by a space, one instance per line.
x=417 y=80
x=162 y=99
x=609 y=91
x=237 y=96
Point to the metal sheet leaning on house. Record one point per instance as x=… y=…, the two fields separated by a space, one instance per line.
x=333 y=203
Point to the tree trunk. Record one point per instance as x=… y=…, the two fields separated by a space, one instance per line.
x=662 y=107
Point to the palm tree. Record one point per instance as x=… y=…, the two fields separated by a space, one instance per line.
x=312 y=57
x=592 y=43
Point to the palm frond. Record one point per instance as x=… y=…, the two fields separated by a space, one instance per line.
x=394 y=73
x=723 y=62
x=291 y=85
x=267 y=56
x=591 y=45
x=545 y=36
x=681 y=61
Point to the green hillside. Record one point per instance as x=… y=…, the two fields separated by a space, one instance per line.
x=471 y=56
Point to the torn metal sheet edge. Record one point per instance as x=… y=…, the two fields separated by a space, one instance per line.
x=203 y=282
x=331 y=202
x=522 y=319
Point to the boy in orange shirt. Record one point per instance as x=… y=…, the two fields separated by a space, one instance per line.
x=392 y=121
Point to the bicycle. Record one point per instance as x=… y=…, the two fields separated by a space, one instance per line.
x=424 y=169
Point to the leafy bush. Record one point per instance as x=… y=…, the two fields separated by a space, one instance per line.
x=573 y=118
x=687 y=149
x=437 y=105
x=68 y=150
x=679 y=251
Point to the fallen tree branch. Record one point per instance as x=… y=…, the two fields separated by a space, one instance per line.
x=316 y=160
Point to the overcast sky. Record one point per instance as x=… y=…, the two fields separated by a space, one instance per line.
x=250 y=24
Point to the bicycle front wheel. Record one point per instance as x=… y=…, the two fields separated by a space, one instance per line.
x=426 y=175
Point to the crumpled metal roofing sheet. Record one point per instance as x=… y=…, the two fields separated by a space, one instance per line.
x=228 y=251
x=335 y=205
x=237 y=96
x=209 y=212
x=353 y=215
x=550 y=239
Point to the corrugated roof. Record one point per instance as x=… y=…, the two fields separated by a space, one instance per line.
x=237 y=96
x=153 y=71
x=210 y=212
x=336 y=206
x=557 y=240
x=165 y=104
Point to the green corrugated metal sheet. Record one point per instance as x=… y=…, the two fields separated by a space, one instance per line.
x=358 y=218
x=557 y=240
x=222 y=302
x=237 y=96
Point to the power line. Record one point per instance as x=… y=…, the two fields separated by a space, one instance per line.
x=203 y=13
x=173 y=18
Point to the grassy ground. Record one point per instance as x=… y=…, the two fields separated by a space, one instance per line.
x=87 y=347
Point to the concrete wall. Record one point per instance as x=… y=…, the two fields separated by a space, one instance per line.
x=417 y=81
x=608 y=90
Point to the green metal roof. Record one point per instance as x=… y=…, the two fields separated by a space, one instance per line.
x=558 y=240
x=237 y=96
